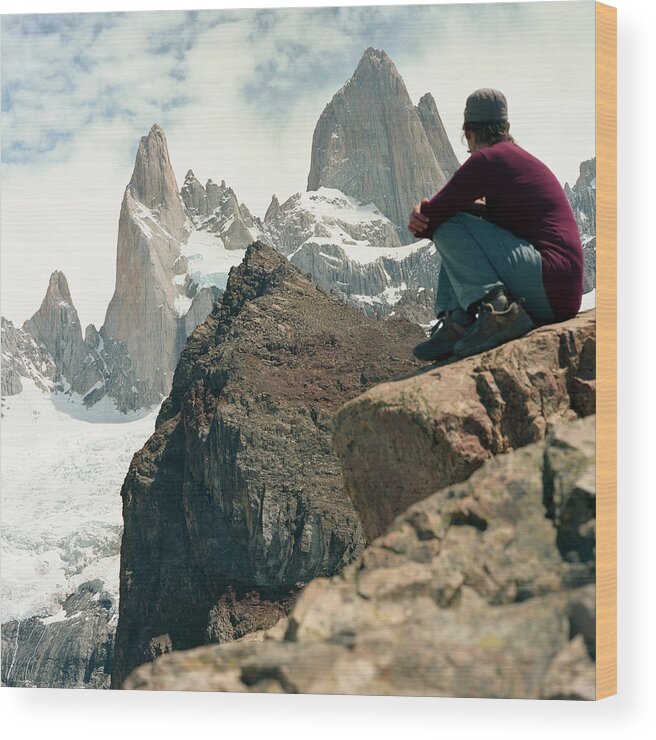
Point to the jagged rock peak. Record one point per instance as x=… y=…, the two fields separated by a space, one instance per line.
x=190 y=177
x=58 y=296
x=376 y=69
x=587 y=173
x=436 y=133
x=153 y=182
x=58 y=289
x=273 y=208
x=370 y=143
x=261 y=268
x=374 y=59
x=152 y=227
x=56 y=327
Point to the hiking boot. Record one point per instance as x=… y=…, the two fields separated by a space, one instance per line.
x=447 y=331
x=499 y=320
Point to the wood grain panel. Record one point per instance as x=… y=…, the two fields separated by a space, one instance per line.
x=606 y=146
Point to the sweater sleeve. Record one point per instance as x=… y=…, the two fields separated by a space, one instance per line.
x=469 y=183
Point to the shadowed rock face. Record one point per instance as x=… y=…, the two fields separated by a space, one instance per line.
x=373 y=285
x=370 y=143
x=236 y=501
x=478 y=590
x=402 y=440
x=22 y=357
x=74 y=651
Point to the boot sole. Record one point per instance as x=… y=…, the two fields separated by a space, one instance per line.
x=431 y=356
x=518 y=329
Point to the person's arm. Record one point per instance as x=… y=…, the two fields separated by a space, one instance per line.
x=477 y=208
x=469 y=183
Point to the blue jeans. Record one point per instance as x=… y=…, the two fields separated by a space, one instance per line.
x=477 y=257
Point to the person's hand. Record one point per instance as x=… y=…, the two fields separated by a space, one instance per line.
x=418 y=221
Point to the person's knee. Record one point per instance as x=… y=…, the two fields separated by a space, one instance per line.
x=450 y=231
x=458 y=219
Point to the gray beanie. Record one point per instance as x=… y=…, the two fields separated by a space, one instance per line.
x=486 y=104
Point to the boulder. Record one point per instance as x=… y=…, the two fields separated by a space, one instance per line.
x=402 y=440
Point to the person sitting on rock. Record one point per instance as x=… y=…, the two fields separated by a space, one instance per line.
x=505 y=231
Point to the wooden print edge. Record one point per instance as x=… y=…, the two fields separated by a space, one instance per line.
x=606 y=425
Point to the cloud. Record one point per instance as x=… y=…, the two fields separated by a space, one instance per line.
x=297 y=50
x=238 y=93
x=64 y=72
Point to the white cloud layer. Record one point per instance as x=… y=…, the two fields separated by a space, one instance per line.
x=238 y=94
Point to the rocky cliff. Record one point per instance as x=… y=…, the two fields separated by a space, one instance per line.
x=479 y=576
x=370 y=143
x=375 y=285
x=144 y=311
x=583 y=199
x=236 y=501
x=483 y=589
x=22 y=357
x=56 y=327
x=71 y=649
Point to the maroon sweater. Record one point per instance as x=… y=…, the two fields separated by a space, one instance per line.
x=524 y=197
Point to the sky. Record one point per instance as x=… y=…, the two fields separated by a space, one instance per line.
x=238 y=94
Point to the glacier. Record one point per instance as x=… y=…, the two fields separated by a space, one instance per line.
x=62 y=468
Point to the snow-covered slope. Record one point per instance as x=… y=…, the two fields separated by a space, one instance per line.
x=328 y=214
x=208 y=260
x=62 y=470
x=351 y=249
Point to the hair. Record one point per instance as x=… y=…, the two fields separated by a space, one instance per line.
x=487 y=132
